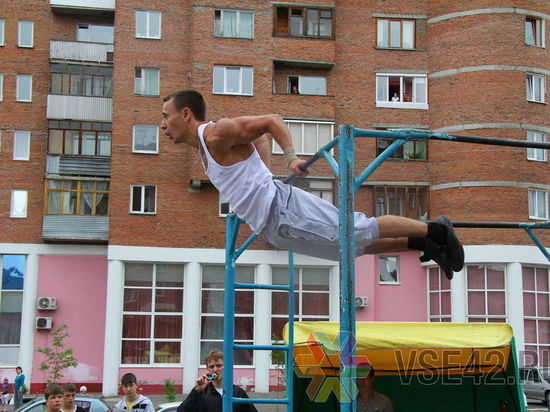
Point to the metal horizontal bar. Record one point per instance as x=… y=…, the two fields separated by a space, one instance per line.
x=502 y=225
x=419 y=134
x=239 y=285
x=261 y=347
x=260 y=400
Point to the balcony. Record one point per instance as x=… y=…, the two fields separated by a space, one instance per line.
x=78 y=165
x=75 y=228
x=99 y=109
x=81 y=51
x=85 y=6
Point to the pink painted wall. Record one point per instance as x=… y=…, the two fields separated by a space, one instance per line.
x=406 y=301
x=79 y=283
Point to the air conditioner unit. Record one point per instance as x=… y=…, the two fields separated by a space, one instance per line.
x=47 y=303
x=43 y=322
x=361 y=302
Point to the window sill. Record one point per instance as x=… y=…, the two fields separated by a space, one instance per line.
x=233 y=38
x=538 y=160
x=140 y=95
x=23 y=101
x=395 y=159
x=18 y=217
x=304 y=37
x=536 y=45
x=148 y=152
x=25 y=47
x=540 y=219
x=390 y=283
x=233 y=94
x=536 y=101
x=143 y=213
x=395 y=48
x=392 y=105
x=148 y=38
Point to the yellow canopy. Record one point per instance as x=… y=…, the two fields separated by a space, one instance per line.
x=405 y=347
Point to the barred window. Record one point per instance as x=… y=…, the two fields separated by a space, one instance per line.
x=152 y=320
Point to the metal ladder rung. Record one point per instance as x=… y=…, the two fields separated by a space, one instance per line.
x=239 y=285
x=262 y=347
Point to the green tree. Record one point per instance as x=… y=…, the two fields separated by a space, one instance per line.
x=57 y=358
x=170 y=390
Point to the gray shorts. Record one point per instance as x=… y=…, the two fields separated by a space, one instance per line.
x=306 y=224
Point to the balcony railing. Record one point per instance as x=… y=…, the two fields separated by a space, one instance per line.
x=99 y=109
x=75 y=228
x=81 y=51
x=84 y=4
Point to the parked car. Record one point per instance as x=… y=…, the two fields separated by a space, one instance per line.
x=168 y=407
x=535 y=383
x=88 y=403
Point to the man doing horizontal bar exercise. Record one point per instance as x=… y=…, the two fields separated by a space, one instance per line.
x=234 y=153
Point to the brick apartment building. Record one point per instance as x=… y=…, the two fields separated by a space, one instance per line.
x=124 y=231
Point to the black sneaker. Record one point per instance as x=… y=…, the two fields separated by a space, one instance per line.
x=437 y=253
x=455 y=251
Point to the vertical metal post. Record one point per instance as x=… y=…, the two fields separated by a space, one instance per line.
x=232 y=227
x=290 y=350
x=346 y=197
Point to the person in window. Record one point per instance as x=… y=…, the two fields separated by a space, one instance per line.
x=368 y=400
x=235 y=152
x=406 y=97
x=206 y=396
x=294 y=89
x=395 y=97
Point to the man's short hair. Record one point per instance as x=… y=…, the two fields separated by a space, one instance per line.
x=69 y=387
x=52 y=389
x=191 y=99
x=128 y=378
x=214 y=355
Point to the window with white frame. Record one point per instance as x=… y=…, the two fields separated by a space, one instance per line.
x=315 y=85
x=212 y=311
x=233 y=80
x=224 y=206
x=411 y=202
x=389 y=269
x=95 y=33
x=24 y=88
x=25 y=30
x=147 y=81
x=152 y=319
x=323 y=188
x=148 y=23
x=234 y=23
x=402 y=91
x=11 y=306
x=1 y=32
x=146 y=139
x=311 y=297
x=536 y=88
x=538 y=204
x=486 y=289
x=396 y=33
x=536 y=313
x=536 y=154
x=143 y=199
x=410 y=150
x=19 y=199
x=21 y=144
x=307 y=136
x=439 y=296
x=77 y=197
x=534 y=31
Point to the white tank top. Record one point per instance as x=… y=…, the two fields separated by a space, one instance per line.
x=247 y=186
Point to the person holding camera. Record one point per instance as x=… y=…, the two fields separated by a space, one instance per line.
x=206 y=396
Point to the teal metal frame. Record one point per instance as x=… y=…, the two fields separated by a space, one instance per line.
x=348 y=185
